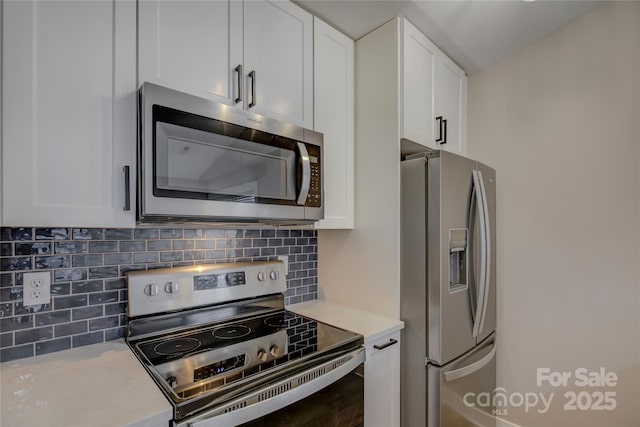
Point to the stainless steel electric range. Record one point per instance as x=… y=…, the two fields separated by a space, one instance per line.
x=219 y=343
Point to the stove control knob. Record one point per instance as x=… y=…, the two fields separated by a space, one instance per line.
x=151 y=290
x=172 y=381
x=262 y=276
x=275 y=275
x=262 y=355
x=171 y=287
x=275 y=351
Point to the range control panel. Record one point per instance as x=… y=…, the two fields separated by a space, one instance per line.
x=223 y=365
x=219 y=368
x=169 y=289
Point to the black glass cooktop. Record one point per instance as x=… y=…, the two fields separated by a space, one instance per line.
x=176 y=346
x=303 y=337
x=195 y=366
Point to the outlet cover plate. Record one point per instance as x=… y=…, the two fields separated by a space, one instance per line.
x=36 y=288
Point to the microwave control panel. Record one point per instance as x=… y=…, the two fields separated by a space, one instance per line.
x=314 y=199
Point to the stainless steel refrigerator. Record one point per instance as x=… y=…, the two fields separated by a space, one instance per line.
x=448 y=290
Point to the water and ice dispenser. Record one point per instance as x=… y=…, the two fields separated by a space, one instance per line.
x=458 y=259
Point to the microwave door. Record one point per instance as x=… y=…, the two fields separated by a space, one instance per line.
x=191 y=163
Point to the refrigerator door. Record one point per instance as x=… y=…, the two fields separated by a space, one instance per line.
x=450 y=321
x=453 y=390
x=488 y=310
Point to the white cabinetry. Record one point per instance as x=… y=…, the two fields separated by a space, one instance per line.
x=450 y=103
x=382 y=382
x=434 y=94
x=278 y=48
x=69 y=112
x=256 y=54
x=191 y=46
x=392 y=82
x=418 y=70
x=333 y=117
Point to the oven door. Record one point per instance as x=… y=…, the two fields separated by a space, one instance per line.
x=211 y=167
x=331 y=394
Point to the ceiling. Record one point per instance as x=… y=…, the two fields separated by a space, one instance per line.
x=475 y=34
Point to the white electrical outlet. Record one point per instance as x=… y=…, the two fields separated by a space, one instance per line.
x=36 y=288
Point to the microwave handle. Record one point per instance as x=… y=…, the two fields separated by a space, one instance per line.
x=306 y=173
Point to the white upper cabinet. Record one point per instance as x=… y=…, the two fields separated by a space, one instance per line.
x=434 y=94
x=69 y=113
x=278 y=50
x=191 y=46
x=450 y=105
x=255 y=54
x=419 y=59
x=334 y=118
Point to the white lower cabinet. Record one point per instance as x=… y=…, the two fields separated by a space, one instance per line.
x=382 y=381
x=69 y=113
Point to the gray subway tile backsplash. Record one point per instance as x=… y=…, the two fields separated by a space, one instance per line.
x=88 y=292
x=86 y=339
x=44 y=347
x=52 y=233
x=88 y=234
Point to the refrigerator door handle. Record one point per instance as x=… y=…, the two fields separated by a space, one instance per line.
x=471 y=368
x=483 y=252
x=487 y=259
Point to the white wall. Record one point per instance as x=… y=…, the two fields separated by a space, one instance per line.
x=560 y=122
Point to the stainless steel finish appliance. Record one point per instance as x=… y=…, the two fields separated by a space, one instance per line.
x=203 y=161
x=219 y=343
x=448 y=289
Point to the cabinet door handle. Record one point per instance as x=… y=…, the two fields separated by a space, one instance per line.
x=252 y=76
x=238 y=70
x=127 y=189
x=442 y=129
x=444 y=122
x=383 y=346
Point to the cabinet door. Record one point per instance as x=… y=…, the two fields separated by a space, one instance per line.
x=417 y=86
x=192 y=46
x=333 y=117
x=451 y=104
x=278 y=49
x=382 y=382
x=69 y=112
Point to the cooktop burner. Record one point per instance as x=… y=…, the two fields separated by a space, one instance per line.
x=283 y=320
x=230 y=332
x=177 y=347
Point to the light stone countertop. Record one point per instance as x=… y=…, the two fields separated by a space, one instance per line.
x=100 y=385
x=371 y=326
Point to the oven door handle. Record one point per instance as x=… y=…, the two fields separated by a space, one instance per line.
x=280 y=394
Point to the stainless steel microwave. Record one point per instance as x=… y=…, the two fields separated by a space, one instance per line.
x=199 y=160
